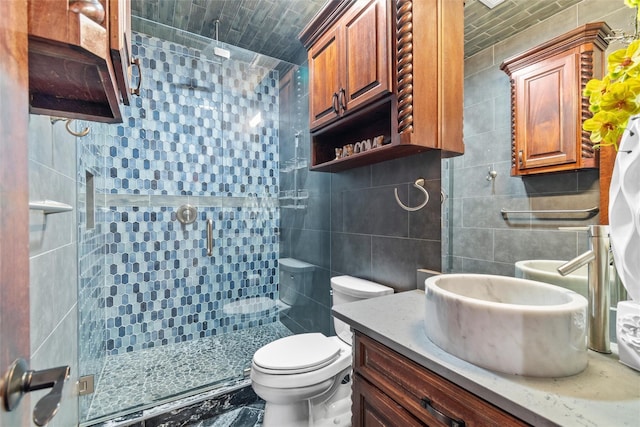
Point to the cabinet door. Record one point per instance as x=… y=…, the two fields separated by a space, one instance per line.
x=324 y=72
x=423 y=394
x=547 y=126
x=70 y=69
x=366 y=54
x=372 y=408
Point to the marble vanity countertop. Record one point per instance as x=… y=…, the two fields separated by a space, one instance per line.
x=606 y=393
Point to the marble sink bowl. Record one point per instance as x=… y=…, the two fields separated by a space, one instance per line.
x=506 y=324
x=546 y=270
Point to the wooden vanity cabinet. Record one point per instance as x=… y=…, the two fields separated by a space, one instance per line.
x=391 y=390
x=389 y=68
x=548 y=108
x=72 y=47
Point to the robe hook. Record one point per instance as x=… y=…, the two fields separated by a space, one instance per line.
x=419 y=184
x=80 y=134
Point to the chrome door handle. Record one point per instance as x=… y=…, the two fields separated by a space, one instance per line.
x=19 y=380
x=335 y=103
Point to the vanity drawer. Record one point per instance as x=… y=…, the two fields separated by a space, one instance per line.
x=427 y=396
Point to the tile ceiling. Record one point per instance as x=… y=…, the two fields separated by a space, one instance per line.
x=271 y=27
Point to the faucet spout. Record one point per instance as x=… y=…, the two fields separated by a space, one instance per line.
x=597 y=257
x=571 y=266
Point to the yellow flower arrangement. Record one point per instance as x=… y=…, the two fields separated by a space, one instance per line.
x=615 y=98
x=633 y=4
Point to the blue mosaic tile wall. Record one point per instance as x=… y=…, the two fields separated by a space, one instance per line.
x=188 y=139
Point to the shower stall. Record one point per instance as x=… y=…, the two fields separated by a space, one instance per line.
x=162 y=315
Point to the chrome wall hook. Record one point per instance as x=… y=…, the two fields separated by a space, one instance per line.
x=419 y=184
x=491 y=175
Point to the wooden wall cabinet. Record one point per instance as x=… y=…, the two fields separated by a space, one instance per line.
x=79 y=58
x=390 y=68
x=349 y=65
x=389 y=389
x=547 y=106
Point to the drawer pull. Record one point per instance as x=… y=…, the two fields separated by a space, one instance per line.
x=451 y=422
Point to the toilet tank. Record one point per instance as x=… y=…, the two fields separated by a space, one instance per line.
x=348 y=289
x=296 y=278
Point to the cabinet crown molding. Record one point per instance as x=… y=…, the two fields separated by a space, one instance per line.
x=594 y=32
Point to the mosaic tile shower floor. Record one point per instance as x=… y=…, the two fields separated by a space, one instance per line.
x=140 y=378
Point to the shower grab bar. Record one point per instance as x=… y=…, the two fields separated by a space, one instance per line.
x=209 y=237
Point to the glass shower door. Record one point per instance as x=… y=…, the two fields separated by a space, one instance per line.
x=159 y=317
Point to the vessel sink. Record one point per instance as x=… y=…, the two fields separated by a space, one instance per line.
x=546 y=270
x=506 y=324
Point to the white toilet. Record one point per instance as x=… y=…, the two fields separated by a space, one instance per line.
x=305 y=379
x=296 y=280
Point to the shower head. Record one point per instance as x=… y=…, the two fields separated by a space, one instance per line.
x=217 y=50
x=223 y=53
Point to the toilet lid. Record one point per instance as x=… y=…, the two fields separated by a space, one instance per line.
x=300 y=353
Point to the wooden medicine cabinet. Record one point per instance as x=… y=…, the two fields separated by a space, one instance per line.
x=547 y=106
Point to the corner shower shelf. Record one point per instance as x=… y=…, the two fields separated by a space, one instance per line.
x=294 y=164
x=294 y=195
x=49 y=206
x=293 y=198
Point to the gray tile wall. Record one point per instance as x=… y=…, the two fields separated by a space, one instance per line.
x=371 y=236
x=476 y=238
x=53 y=246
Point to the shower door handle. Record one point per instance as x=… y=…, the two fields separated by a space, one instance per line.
x=209 y=237
x=19 y=380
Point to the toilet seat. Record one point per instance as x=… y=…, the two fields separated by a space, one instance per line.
x=287 y=379
x=297 y=354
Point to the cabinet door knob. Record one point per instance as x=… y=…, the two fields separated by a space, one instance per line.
x=521 y=158
x=451 y=422
x=92 y=9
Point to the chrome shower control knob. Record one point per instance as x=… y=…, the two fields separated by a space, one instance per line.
x=186 y=214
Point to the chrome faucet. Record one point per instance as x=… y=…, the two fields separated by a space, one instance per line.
x=598 y=258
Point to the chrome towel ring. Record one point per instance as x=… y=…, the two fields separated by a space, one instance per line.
x=419 y=184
